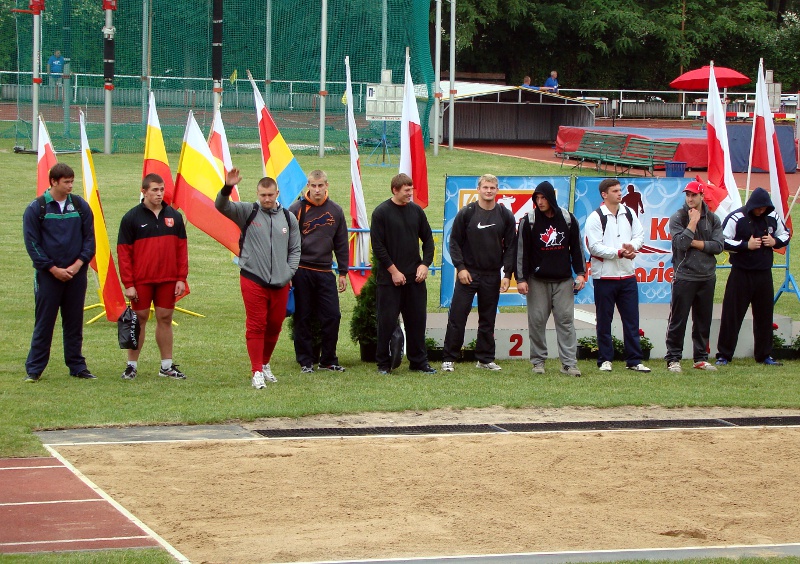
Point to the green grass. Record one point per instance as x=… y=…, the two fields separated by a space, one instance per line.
x=211 y=350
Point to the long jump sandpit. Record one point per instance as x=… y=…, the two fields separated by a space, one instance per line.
x=301 y=500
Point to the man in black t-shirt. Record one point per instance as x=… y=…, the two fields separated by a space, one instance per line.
x=398 y=225
x=480 y=244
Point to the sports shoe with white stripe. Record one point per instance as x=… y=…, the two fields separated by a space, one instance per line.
x=488 y=365
x=448 y=366
x=258 y=380
x=268 y=375
x=172 y=372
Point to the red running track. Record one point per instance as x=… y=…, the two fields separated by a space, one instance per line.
x=44 y=507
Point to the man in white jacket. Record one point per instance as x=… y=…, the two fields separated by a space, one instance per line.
x=614 y=236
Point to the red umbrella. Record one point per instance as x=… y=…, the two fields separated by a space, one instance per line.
x=697 y=79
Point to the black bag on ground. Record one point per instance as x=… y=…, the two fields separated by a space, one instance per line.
x=128 y=329
x=396 y=344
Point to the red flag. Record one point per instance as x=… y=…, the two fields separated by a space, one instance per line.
x=720 y=173
x=45 y=161
x=766 y=153
x=155 y=153
x=412 y=146
x=359 y=242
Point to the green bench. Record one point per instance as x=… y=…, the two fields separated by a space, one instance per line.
x=595 y=147
x=643 y=153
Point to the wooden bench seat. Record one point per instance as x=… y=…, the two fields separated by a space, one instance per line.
x=595 y=147
x=643 y=153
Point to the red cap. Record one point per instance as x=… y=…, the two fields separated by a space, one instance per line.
x=696 y=187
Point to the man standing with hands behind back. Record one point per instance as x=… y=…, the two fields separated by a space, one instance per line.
x=153 y=267
x=480 y=244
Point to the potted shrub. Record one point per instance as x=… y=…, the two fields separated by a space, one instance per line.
x=364 y=322
x=435 y=350
x=587 y=348
x=646 y=344
x=782 y=351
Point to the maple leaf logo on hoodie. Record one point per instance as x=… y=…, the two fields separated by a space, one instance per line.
x=551 y=237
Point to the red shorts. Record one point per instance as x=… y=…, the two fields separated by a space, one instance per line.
x=160 y=295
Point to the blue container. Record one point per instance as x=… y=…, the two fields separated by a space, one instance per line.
x=675 y=169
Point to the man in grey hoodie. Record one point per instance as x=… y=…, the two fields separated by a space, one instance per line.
x=696 y=239
x=268 y=258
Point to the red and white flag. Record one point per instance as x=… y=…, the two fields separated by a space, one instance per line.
x=155 y=152
x=45 y=161
x=218 y=143
x=359 y=244
x=412 y=146
x=765 y=152
x=722 y=195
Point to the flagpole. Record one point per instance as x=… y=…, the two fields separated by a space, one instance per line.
x=323 y=67
x=753 y=133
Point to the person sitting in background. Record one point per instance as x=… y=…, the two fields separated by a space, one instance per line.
x=551 y=83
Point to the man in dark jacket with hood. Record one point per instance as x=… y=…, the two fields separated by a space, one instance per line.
x=323 y=232
x=696 y=239
x=549 y=250
x=751 y=234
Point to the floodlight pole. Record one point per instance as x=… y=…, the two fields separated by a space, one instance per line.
x=452 y=97
x=36 y=8
x=268 y=59
x=323 y=64
x=145 y=58
x=216 y=53
x=437 y=75
x=384 y=25
x=108 y=69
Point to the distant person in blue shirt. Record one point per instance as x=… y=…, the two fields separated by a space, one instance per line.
x=552 y=82
x=526 y=83
x=55 y=67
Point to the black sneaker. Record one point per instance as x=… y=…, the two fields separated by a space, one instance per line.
x=384 y=371
x=85 y=375
x=172 y=372
x=32 y=378
x=425 y=369
x=130 y=372
x=331 y=367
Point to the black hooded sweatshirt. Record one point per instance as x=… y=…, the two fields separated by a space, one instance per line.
x=548 y=250
x=742 y=223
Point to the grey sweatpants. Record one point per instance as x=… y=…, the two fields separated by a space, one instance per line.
x=558 y=298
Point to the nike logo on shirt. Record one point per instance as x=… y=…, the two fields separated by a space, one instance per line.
x=484 y=226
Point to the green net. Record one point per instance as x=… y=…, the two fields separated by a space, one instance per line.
x=279 y=41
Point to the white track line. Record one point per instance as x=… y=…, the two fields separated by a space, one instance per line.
x=168 y=547
x=95 y=539
x=54 y=502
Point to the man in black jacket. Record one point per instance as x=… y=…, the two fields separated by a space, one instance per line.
x=751 y=234
x=549 y=250
x=481 y=242
x=398 y=225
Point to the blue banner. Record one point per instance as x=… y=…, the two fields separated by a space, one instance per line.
x=516 y=193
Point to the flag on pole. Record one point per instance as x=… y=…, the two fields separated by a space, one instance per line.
x=103 y=261
x=359 y=242
x=277 y=159
x=46 y=158
x=218 y=144
x=722 y=196
x=155 y=153
x=196 y=186
x=765 y=152
x=412 y=146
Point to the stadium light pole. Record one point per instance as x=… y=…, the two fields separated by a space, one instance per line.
x=216 y=53
x=36 y=7
x=108 y=69
x=145 y=57
x=437 y=75
x=323 y=67
x=452 y=97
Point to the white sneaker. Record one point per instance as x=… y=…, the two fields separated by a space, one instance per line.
x=448 y=366
x=639 y=368
x=703 y=365
x=268 y=375
x=606 y=366
x=488 y=365
x=538 y=368
x=258 y=381
x=674 y=366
